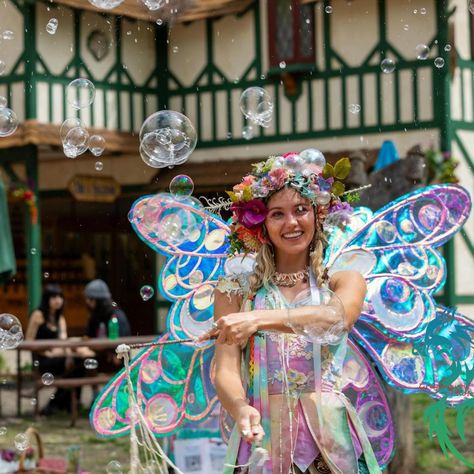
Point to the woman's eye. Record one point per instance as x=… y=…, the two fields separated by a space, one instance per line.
x=301 y=209
x=277 y=214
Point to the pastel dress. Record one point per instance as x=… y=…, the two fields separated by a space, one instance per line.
x=310 y=426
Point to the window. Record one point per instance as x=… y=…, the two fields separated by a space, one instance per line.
x=291 y=34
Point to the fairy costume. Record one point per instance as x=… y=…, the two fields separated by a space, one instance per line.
x=416 y=344
x=288 y=371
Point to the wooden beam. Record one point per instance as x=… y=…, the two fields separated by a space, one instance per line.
x=32 y=132
x=194 y=10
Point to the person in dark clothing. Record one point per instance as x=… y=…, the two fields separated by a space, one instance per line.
x=48 y=322
x=102 y=309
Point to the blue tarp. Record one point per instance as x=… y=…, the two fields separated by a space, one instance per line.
x=388 y=154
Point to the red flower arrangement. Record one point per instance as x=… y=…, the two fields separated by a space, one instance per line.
x=24 y=193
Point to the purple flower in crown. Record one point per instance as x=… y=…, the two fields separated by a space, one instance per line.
x=340 y=213
x=325 y=184
x=250 y=214
x=8 y=455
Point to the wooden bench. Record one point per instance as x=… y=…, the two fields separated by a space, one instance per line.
x=70 y=383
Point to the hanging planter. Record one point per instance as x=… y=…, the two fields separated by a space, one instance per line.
x=21 y=192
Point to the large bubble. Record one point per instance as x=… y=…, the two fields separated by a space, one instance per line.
x=8 y=122
x=106 y=4
x=256 y=104
x=80 y=93
x=153 y=5
x=11 y=332
x=167 y=138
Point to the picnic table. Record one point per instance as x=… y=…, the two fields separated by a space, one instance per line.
x=94 y=344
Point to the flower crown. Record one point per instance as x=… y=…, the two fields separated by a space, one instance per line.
x=308 y=173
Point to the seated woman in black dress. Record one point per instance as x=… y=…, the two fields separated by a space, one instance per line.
x=48 y=322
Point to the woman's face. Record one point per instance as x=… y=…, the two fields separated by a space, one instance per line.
x=290 y=221
x=55 y=302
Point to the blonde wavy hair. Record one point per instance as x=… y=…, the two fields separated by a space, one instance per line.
x=265 y=261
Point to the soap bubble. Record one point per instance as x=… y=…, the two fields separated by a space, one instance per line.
x=167 y=138
x=80 y=93
x=153 y=4
x=354 y=108
x=96 y=145
x=11 y=332
x=3 y=102
x=423 y=11
x=99 y=166
x=3 y=67
x=8 y=35
x=447 y=48
x=181 y=186
x=106 y=4
x=47 y=378
x=91 y=364
x=387 y=66
x=422 y=52
x=175 y=49
x=114 y=467
x=8 y=122
x=282 y=64
x=21 y=442
x=159 y=21
x=52 y=26
x=256 y=105
x=313 y=156
x=247 y=132
x=146 y=292
x=439 y=62
x=328 y=9
x=3 y=430
x=76 y=142
x=68 y=125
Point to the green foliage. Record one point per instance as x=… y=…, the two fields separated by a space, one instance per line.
x=441 y=167
x=342 y=168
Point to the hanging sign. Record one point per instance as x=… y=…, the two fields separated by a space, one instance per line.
x=94 y=188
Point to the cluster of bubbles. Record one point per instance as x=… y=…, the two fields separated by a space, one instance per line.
x=167 y=139
x=80 y=93
x=106 y=4
x=11 y=332
x=257 y=106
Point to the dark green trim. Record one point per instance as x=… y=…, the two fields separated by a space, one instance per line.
x=29 y=37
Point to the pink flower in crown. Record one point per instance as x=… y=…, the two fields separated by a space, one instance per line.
x=278 y=177
x=248 y=180
x=250 y=214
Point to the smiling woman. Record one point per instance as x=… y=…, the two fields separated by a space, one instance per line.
x=293 y=403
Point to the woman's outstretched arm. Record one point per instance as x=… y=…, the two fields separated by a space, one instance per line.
x=349 y=286
x=228 y=380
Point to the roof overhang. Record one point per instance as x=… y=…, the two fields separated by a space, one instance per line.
x=193 y=9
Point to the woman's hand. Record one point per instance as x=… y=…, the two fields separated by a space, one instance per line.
x=248 y=421
x=235 y=328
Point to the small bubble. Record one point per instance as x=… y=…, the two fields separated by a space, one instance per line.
x=247 y=132
x=21 y=442
x=3 y=430
x=33 y=402
x=423 y=11
x=99 y=166
x=406 y=27
x=387 y=65
x=146 y=292
x=354 y=108
x=439 y=62
x=159 y=21
x=91 y=364
x=3 y=102
x=36 y=363
x=8 y=35
x=282 y=65
x=45 y=275
x=328 y=9
x=33 y=251
x=175 y=49
x=447 y=48
x=52 y=26
x=47 y=378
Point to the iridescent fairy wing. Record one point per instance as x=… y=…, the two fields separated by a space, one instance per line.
x=396 y=250
x=173 y=382
x=362 y=386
